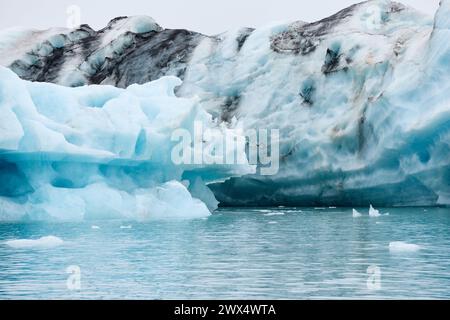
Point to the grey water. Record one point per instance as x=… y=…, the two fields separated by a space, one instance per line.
x=270 y=253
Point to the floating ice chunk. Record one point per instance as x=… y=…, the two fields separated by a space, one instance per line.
x=126 y=227
x=400 y=246
x=261 y=82
x=95 y=227
x=270 y=214
x=99 y=152
x=356 y=214
x=374 y=212
x=41 y=243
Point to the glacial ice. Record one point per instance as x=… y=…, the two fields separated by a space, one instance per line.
x=41 y=243
x=99 y=152
x=364 y=113
x=361 y=100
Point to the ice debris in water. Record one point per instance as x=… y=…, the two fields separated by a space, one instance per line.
x=362 y=106
x=356 y=214
x=98 y=152
x=399 y=246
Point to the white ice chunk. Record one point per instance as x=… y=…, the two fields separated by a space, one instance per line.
x=270 y=214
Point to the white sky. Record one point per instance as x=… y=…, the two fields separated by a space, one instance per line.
x=207 y=16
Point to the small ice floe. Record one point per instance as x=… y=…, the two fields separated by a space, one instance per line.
x=356 y=214
x=95 y=227
x=126 y=227
x=41 y=243
x=270 y=214
x=374 y=212
x=399 y=246
x=273 y=222
x=332 y=207
x=319 y=208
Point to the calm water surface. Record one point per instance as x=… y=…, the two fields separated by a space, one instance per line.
x=272 y=253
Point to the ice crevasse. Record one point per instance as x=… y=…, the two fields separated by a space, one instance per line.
x=98 y=152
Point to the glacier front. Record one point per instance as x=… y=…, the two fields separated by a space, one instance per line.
x=361 y=100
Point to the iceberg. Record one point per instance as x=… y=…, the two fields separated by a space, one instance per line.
x=374 y=212
x=100 y=152
x=356 y=214
x=361 y=101
x=400 y=246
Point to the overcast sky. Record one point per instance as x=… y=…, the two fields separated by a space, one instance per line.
x=207 y=16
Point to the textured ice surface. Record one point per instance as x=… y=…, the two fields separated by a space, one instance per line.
x=361 y=98
x=99 y=152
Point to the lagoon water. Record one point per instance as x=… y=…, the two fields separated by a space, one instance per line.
x=270 y=253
